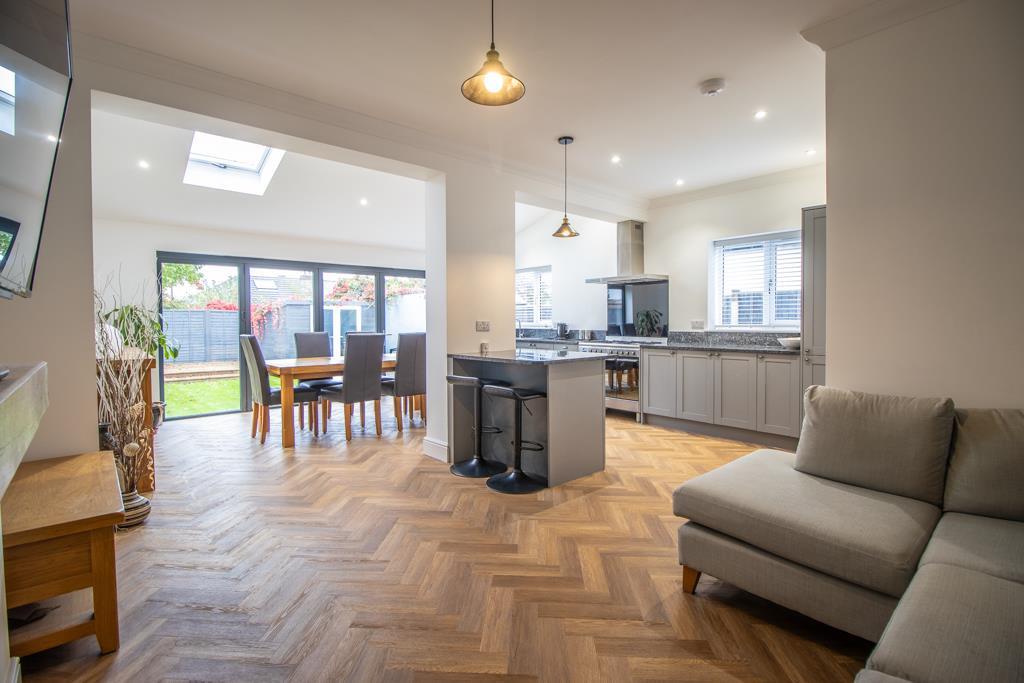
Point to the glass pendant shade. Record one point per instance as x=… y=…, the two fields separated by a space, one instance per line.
x=493 y=85
x=565 y=230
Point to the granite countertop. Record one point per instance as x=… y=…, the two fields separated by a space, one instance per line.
x=529 y=356
x=731 y=348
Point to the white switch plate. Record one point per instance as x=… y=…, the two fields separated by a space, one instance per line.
x=483 y=326
x=696 y=324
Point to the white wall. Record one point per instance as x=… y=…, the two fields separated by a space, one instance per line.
x=124 y=253
x=470 y=228
x=925 y=201
x=592 y=254
x=680 y=230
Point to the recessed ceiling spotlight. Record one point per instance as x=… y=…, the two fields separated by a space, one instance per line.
x=51 y=138
x=616 y=159
x=712 y=87
x=760 y=114
x=810 y=152
x=680 y=182
x=363 y=201
x=143 y=163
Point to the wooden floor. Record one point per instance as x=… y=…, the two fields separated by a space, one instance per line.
x=369 y=561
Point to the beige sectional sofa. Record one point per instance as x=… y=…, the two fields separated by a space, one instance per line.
x=899 y=520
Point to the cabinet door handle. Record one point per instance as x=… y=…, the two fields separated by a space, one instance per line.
x=807 y=360
x=760 y=356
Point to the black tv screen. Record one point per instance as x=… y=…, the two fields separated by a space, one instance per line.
x=35 y=78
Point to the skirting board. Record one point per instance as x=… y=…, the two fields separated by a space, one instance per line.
x=438 y=450
x=786 y=443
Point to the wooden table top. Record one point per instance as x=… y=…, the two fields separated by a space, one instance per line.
x=321 y=364
x=50 y=498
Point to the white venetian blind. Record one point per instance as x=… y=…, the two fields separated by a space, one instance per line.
x=757 y=282
x=533 y=296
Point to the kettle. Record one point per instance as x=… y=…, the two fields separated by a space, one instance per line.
x=562 y=330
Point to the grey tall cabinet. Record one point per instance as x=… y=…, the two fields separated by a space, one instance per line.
x=813 y=313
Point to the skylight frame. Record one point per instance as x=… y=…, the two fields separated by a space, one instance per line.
x=234 y=167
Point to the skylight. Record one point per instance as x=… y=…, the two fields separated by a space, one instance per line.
x=7 y=86
x=228 y=164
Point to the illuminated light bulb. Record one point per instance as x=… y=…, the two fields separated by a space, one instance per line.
x=493 y=82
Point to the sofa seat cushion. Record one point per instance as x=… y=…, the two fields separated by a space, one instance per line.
x=986 y=471
x=869 y=676
x=984 y=544
x=894 y=444
x=869 y=538
x=954 y=625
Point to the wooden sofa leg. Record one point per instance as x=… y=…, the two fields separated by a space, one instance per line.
x=690 y=578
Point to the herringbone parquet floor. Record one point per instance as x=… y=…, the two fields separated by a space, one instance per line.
x=369 y=561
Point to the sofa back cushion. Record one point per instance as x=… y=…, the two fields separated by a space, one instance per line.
x=986 y=471
x=887 y=443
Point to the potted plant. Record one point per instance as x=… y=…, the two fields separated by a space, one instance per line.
x=126 y=338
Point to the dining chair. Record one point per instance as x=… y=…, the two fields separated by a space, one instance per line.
x=409 y=385
x=264 y=396
x=364 y=361
x=314 y=345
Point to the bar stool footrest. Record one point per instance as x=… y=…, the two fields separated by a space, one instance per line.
x=531 y=446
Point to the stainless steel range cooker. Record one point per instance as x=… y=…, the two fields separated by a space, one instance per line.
x=622 y=371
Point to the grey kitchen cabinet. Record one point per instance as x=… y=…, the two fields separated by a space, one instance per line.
x=813 y=293
x=547 y=344
x=659 y=383
x=778 y=394
x=736 y=389
x=695 y=382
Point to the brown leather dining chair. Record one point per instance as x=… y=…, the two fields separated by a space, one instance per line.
x=364 y=361
x=409 y=385
x=263 y=395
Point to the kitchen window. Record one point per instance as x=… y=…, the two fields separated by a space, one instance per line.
x=533 y=296
x=755 y=282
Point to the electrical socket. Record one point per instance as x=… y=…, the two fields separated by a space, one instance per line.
x=483 y=325
x=696 y=324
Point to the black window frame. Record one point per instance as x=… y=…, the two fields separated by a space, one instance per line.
x=245 y=264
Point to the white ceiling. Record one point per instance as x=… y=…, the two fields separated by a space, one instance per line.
x=620 y=76
x=308 y=197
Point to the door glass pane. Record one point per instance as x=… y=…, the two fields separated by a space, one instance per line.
x=350 y=305
x=200 y=312
x=280 y=304
x=405 y=308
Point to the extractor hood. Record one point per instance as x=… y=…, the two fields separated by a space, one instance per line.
x=630 y=257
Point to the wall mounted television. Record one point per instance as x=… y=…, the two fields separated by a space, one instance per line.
x=35 y=80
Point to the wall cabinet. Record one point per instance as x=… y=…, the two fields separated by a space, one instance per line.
x=759 y=392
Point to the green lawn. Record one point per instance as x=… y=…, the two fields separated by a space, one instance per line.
x=197 y=397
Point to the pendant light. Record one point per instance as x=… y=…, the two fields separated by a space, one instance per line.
x=493 y=85
x=565 y=230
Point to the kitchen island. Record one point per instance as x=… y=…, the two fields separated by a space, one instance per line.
x=569 y=423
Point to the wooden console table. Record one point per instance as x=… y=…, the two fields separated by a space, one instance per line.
x=58 y=537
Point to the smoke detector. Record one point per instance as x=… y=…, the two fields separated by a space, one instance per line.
x=712 y=87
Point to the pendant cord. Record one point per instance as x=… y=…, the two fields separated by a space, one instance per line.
x=492 y=24
x=565 y=180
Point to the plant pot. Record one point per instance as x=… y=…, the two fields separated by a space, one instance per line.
x=136 y=509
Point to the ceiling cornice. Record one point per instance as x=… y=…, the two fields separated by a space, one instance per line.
x=118 y=55
x=872 y=18
x=744 y=185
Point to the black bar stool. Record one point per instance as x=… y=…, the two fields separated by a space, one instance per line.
x=476 y=467
x=516 y=481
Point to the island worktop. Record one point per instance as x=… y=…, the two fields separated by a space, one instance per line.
x=568 y=423
x=529 y=356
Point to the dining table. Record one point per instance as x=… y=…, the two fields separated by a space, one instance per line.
x=290 y=370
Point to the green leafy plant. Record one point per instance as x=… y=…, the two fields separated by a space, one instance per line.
x=138 y=323
x=648 y=323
